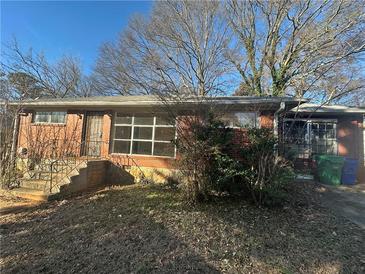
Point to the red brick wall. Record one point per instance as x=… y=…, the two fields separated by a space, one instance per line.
x=107 y=126
x=351 y=142
x=30 y=134
x=44 y=138
x=240 y=137
x=349 y=135
x=267 y=120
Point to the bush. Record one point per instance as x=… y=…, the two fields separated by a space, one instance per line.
x=200 y=140
x=266 y=173
x=259 y=173
x=207 y=165
x=10 y=177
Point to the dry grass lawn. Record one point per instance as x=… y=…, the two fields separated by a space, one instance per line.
x=136 y=229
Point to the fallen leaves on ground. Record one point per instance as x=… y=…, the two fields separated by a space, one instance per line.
x=148 y=229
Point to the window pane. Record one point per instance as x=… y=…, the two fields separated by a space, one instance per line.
x=58 y=117
x=164 y=133
x=331 y=133
x=142 y=147
x=165 y=121
x=332 y=146
x=329 y=126
x=143 y=121
x=122 y=119
x=144 y=133
x=121 y=146
x=295 y=132
x=123 y=132
x=164 y=149
x=42 y=117
x=241 y=119
x=245 y=119
x=314 y=126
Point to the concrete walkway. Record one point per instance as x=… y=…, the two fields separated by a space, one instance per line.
x=348 y=201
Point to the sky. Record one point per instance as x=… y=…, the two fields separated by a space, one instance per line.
x=67 y=27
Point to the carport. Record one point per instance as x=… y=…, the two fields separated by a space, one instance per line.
x=312 y=129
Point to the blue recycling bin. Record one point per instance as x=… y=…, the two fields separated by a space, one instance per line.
x=349 y=171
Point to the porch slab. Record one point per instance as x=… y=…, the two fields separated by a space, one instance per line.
x=30 y=194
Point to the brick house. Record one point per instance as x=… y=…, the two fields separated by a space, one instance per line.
x=132 y=133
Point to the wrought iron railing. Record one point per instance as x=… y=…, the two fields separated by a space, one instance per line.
x=87 y=150
x=56 y=161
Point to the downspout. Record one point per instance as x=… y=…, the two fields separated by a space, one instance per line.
x=276 y=124
x=14 y=141
x=276 y=118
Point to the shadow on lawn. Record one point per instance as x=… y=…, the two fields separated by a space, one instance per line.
x=144 y=230
x=109 y=232
x=303 y=237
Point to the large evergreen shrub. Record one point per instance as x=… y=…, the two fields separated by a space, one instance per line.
x=208 y=166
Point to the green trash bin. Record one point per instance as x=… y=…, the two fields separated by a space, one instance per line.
x=329 y=168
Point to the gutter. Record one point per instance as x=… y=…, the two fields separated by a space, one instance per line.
x=135 y=103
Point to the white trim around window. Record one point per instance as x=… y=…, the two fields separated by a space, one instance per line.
x=147 y=141
x=49 y=117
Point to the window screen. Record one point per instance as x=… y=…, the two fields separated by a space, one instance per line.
x=304 y=138
x=144 y=135
x=48 y=117
x=241 y=119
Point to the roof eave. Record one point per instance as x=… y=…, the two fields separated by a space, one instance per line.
x=89 y=103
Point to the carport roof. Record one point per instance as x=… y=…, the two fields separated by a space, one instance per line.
x=330 y=109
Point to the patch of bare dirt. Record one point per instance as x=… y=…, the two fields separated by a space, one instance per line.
x=138 y=229
x=9 y=203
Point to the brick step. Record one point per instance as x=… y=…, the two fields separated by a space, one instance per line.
x=30 y=194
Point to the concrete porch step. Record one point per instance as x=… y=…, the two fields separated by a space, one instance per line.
x=30 y=194
x=56 y=175
x=45 y=185
x=42 y=185
x=85 y=175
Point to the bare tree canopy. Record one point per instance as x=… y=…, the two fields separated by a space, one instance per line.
x=180 y=48
x=30 y=75
x=311 y=49
x=303 y=48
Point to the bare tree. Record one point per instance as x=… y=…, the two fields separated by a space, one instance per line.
x=297 y=47
x=9 y=120
x=179 y=49
x=28 y=75
x=29 y=71
x=177 y=54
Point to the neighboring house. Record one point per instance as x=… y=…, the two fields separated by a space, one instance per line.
x=133 y=134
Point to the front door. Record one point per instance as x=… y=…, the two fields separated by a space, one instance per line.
x=93 y=134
